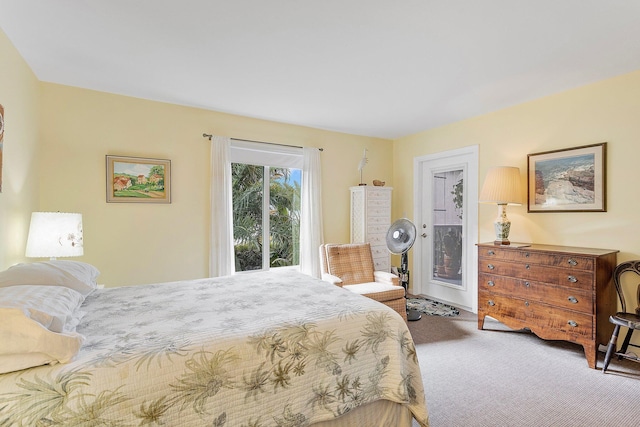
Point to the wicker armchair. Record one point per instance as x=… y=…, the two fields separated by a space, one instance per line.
x=351 y=267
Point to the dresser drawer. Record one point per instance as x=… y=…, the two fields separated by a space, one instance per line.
x=553 y=275
x=379 y=211
x=377 y=228
x=383 y=195
x=553 y=322
x=373 y=221
x=382 y=264
x=380 y=251
x=377 y=239
x=549 y=259
x=570 y=298
x=373 y=204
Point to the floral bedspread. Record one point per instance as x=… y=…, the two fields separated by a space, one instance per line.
x=254 y=350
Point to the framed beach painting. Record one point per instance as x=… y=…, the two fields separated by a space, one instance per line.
x=568 y=180
x=138 y=180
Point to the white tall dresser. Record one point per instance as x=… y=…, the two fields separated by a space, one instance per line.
x=370 y=220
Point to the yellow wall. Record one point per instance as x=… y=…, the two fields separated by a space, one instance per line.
x=19 y=95
x=606 y=111
x=70 y=130
x=143 y=243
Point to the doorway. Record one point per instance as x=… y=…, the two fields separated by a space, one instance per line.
x=446 y=215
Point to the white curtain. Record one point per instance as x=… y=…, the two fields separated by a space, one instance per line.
x=311 y=231
x=221 y=259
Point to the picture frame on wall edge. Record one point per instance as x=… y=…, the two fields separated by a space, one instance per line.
x=138 y=180
x=568 y=180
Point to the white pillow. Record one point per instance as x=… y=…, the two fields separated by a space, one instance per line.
x=76 y=275
x=26 y=343
x=54 y=307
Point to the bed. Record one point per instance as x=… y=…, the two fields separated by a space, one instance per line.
x=256 y=350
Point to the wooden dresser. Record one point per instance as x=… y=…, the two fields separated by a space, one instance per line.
x=557 y=292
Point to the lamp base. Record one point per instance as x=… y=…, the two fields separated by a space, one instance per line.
x=501 y=242
x=502 y=226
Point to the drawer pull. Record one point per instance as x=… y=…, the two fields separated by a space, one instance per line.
x=490 y=283
x=526 y=255
x=572 y=323
x=573 y=299
x=491 y=266
x=572 y=262
x=527 y=266
x=491 y=303
x=527 y=284
x=526 y=303
x=491 y=252
x=572 y=279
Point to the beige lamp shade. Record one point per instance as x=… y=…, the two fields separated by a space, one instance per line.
x=55 y=234
x=502 y=186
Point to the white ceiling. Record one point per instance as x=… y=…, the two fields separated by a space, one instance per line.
x=385 y=68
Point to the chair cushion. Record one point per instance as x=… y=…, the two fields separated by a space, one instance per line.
x=352 y=263
x=377 y=291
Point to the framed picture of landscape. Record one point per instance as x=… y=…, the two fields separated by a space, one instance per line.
x=138 y=180
x=568 y=180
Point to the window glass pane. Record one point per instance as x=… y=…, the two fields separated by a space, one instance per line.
x=284 y=216
x=249 y=220
x=447 y=221
x=247 y=193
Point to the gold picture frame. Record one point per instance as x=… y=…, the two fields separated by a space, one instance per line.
x=568 y=180
x=138 y=180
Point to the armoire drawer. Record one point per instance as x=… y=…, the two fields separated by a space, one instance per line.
x=537 y=316
x=523 y=270
x=380 y=251
x=378 y=228
x=570 y=298
x=378 y=203
x=376 y=210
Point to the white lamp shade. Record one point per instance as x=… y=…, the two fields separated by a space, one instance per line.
x=502 y=186
x=55 y=234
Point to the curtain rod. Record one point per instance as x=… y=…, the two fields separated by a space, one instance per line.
x=208 y=136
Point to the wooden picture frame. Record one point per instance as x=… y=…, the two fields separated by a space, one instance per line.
x=138 y=180
x=568 y=180
x=1 y=142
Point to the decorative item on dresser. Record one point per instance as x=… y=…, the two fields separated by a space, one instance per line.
x=370 y=220
x=557 y=292
x=502 y=187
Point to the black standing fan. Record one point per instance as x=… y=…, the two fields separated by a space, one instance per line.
x=400 y=238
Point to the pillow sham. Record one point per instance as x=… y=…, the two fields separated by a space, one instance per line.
x=54 y=307
x=26 y=343
x=75 y=275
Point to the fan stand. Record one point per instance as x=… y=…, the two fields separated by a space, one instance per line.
x=412 y=315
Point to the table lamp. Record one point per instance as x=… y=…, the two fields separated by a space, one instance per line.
x=502 y=187
x=55 y=234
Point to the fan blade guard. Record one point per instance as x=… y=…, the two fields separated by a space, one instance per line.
x=401 y=236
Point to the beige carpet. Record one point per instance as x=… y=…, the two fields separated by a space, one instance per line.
x=498 y=377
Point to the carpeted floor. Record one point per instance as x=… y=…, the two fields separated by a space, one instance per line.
x=497 y=377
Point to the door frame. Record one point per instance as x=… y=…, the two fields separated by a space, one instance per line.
x=470 y=207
